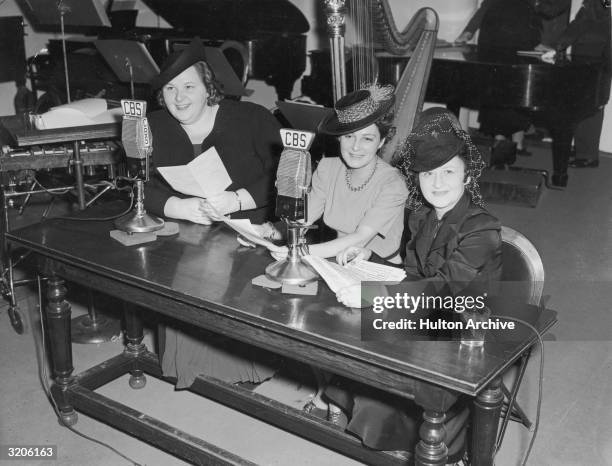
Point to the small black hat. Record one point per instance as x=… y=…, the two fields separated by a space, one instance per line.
x=434 y=150
x=179 y=61
x=357 y=110
x=435 y=139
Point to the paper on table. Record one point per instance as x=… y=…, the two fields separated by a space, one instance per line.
x=92 y=111
x=204 y=176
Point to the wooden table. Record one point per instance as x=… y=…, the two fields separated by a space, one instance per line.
x=203 y=277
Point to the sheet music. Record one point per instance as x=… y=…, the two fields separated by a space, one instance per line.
x=204 y=176
x=337 y=276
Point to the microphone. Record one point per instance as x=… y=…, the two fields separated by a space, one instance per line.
x=137 y=144
x=292 y=183
x=136 y=137
x=294 y=175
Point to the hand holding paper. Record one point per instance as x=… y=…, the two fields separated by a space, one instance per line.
x=203 y=177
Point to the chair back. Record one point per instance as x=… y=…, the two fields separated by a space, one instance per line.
x=522 y=266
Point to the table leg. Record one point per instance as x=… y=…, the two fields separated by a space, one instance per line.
x=431 y=449
x=134 y=345
x=58 y=331
x=487 y=411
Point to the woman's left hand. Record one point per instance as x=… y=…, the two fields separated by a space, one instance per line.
x=350 y=296
x=221 y=204
x=279 y=252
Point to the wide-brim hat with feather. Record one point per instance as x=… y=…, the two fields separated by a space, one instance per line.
x=358 y=110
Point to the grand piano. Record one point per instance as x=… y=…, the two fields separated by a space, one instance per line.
x=557 y=95
x=264 y=37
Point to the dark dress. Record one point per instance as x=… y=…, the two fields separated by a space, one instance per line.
x=247 y=139
x=463 y=249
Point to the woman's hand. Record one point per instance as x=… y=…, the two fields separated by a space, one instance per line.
x=219 y=205
x=464 y=38
x=268 y=231
x=350 y=296
x=279 y=252
x=191 y=208
x=352 y=253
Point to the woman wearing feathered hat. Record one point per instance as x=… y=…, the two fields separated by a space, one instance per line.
x=454 y=244
x=195 y=118
x=358 y=195
x=246 y=136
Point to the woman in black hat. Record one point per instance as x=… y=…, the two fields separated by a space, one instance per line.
x=358 y=195
x=454 y=244
x=195 y=118
x=246 y=136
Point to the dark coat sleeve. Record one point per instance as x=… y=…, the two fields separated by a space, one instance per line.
x=171 y=146
x=267 y=146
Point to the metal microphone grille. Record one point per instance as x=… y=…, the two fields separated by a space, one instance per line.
x=294 y=173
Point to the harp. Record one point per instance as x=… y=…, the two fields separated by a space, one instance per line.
x=375 y=28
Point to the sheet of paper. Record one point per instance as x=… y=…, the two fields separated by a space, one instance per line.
x=202 y=177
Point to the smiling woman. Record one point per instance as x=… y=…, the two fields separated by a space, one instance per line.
x=195 y=118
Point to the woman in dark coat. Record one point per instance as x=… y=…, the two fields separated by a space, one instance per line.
x=247 y=138
x=454 y=249
x=195 y=118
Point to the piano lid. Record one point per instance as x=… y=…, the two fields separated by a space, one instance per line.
x=238 y=19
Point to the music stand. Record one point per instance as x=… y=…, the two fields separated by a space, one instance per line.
x=303 y=116
x=130 y=61
x=67 y=13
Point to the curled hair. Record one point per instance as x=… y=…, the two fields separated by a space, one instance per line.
x=444 y=122
x=213 y=87
x=385 y=125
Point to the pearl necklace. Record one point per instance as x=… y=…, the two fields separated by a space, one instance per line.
x=347 y=178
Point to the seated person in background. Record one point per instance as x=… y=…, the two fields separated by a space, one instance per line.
x=359 y=195
x=455 y=243
x=195 y=118
x=247 y=139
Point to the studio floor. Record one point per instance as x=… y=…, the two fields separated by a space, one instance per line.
x=572 y=230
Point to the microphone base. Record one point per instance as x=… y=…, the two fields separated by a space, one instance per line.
x=139 y=222
x=291 y=272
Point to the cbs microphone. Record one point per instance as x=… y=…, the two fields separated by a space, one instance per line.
x=293 y=179
x=137 y=144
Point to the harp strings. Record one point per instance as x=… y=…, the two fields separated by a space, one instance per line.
x=362 y=56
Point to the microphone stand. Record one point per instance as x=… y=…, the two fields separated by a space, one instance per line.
x=293 y=270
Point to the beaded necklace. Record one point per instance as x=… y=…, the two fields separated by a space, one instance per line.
x=347 y=178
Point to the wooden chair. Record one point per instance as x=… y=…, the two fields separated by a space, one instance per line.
x=523 y=268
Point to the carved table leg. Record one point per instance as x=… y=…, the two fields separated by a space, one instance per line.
x=431 y=450
x=487 y=410
x=58 y=330
x=134 y=345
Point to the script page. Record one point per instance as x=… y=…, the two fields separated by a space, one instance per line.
x=204 y=176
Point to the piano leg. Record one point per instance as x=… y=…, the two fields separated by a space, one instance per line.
x=562 y=136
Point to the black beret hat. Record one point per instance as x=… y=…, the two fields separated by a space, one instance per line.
x=357 y=110
x=179 y=61
x=434 y=150
x=196 y=51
